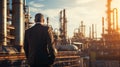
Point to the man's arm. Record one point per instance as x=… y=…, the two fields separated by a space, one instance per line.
x=50 y=41
x=26 y=46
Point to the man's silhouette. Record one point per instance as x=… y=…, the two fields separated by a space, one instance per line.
x=38 y=44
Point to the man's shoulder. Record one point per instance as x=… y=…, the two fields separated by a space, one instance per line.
x=28 y=30
x=46 y=27
x=43 y=27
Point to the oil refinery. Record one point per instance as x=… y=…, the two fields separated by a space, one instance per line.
x=78 y=51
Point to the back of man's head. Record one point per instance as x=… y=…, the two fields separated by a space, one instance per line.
x=39 y=17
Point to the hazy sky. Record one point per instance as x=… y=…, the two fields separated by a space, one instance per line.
x=88 y=11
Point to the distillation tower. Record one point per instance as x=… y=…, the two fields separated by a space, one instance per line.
x=63 y=27
x=112 y=35
x=14 y=15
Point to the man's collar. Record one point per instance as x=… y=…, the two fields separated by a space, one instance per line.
x=39 y=23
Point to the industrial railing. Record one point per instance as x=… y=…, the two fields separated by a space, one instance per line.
x=63 y=59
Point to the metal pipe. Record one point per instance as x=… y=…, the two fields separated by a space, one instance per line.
x=24 y=5
x=8 y=8
x=3 y=22
x=115 y=18
x=27 y=17
x=17 y=20
x=24 y=2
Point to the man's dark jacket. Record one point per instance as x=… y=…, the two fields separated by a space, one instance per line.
x=38 y=45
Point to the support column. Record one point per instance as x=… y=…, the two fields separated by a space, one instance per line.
x=18 y=22
x=3 y=22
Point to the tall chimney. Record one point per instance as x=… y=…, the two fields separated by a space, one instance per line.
x=64 y=24
x=109 y=16
x=82 y=27
x=113 y=22
x=117 y=20
x=116 y=16
x=84 y=30
x=96 y=31
x=17 y=20
x=103 y=25
x=47 y=21
x=90 y=32
x=61 y=24
x=3 y=22
x=93 y=31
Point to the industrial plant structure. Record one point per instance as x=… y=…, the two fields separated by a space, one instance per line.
x=15 y=19
x=13 y=16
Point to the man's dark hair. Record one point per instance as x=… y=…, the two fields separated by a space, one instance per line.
x=38 y=17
